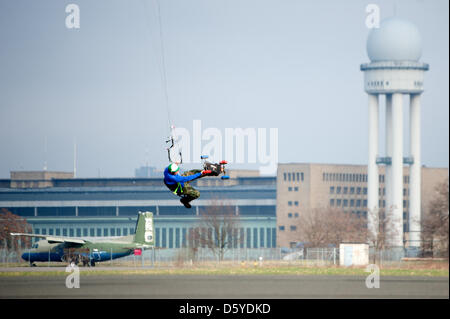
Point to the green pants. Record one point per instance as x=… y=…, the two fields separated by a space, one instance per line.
x=188 y=191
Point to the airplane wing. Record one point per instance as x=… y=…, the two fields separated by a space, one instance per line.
x=54 y=239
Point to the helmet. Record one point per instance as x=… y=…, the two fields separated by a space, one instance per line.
x=173 y=168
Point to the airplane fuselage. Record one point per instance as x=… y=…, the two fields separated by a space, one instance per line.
x=44 y=251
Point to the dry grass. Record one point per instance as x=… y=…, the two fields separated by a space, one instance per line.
x=416 y=268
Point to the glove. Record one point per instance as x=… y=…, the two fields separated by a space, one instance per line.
x=205 y=172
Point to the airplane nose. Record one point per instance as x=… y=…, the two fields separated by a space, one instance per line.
x=25 y=256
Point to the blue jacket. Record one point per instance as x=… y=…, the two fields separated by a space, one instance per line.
x=171 y=179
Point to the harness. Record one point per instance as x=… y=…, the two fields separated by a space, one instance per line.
x=176 y=189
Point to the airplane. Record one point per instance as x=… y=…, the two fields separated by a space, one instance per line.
x=92 y=250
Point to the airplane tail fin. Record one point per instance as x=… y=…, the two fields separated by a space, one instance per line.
x=144 y=229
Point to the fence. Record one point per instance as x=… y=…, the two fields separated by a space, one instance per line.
x=160 y=257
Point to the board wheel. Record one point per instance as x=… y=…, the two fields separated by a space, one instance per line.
x=225 y=177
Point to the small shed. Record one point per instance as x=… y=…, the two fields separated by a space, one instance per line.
x=353 y=254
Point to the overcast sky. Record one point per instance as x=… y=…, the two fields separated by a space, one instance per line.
x=286 y=64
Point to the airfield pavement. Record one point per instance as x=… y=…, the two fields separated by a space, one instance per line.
x=168 y=286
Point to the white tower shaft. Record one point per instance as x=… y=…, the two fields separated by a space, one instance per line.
x=395 y=213
x=414 y=172
x=388 y=168
x=372 y=169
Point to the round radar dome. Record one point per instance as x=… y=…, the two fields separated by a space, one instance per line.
x=395 y=40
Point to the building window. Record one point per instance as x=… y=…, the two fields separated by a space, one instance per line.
x=302 y=176
x=296 y=189
x=58 y=232
x=281 y=228
x=105 y=232
x=113 y=232
x=99 y=232
x=274 y=237
x=332 y=190
x=269 y=237
x=352 y=190
x=241 y=237
x=284 y=174
x=164 y=238
x=338 y=202
x=358 y=203
x=352 y=203
x=358 y=190
x=249 y=238
x=290 y=215
x=365 y=203
x=338 y=190
x=296 y=215
x=85 y=231
x=261 y=237
x=125 y=231
x=289 y=203
x=296 y=203
x=332 y=202
x=365 y=191
x=289 y=177
x=170 y=237
x=345 y=202
x=255 y=237
x=183 y=237
x=177 y=238
x=157 y=241
x=290 y=189
x=345 y=190
x=293 y=228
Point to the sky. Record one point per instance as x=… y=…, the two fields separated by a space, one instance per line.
x=285 y=64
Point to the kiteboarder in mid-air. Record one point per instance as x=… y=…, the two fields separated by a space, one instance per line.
x=179 y=183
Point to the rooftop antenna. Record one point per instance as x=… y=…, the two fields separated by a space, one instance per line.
x=45 y=153
x=75 y=157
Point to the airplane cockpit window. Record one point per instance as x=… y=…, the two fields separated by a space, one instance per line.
x=34 y=246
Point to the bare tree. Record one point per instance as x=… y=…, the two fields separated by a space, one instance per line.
x=435 y=223
x=10 y=223
x=217 y=230
x=386 y=228
x=321 y=227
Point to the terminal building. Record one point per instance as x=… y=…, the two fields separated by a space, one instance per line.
x=55 y=203
x=301 y=187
